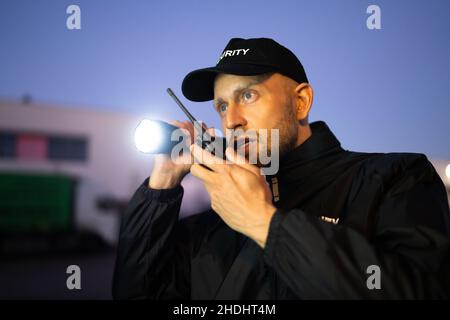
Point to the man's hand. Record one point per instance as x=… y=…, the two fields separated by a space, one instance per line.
x=167 y=173
x=239 y=193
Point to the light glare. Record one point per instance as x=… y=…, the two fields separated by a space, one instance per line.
x=147 y=136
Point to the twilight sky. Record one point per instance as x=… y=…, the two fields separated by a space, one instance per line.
x=379 y=90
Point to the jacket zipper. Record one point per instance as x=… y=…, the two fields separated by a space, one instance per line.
x=275 y=191
x=275 y=198
x=273 y=278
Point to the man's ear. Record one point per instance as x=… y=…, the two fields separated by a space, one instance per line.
x=303 y=99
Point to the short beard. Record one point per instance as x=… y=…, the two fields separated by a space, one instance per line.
x=288 y=128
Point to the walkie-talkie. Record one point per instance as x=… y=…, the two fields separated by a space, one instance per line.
x=215 y=145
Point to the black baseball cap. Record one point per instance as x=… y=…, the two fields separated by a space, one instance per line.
x=244 y=57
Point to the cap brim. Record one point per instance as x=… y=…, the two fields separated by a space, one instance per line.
x=198 y=85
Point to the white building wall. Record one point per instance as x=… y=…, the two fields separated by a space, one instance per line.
x=114 y=166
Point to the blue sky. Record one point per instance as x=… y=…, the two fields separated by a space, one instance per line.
x=379 y=90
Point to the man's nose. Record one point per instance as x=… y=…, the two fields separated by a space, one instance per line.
x=234 y=118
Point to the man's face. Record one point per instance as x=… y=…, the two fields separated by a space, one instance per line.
x=251 y=103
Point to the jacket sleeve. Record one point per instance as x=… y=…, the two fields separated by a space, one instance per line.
x=152 y=262
x=410 y=245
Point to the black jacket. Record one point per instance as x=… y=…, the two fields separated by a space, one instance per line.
x=389 y=210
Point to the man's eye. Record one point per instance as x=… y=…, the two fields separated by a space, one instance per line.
x=222 y=107
x=248 y=96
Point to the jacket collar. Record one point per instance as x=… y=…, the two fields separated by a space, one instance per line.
x=321 y=143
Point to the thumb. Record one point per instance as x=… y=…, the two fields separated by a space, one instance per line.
x=212 y=131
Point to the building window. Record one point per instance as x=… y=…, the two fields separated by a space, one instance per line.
x=67 y=148
x=7 y=145
x=34 y=146
x=31 y=147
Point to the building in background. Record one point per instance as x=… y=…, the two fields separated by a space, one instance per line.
x=72 y=168
x=442 y=167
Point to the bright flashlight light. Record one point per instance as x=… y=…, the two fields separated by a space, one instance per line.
x=148 y=136
x=447 y=171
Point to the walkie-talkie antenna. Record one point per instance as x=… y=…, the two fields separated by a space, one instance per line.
x=189 y=115
x=203 y=139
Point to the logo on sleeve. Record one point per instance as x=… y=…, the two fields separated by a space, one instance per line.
x=330 y=220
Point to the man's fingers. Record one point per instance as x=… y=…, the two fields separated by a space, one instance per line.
x=211 y=131
x=186 y=127
x=197 y=127
x=241 y=161
x=206 y=158
x=202 y=173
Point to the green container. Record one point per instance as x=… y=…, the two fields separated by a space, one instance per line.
x=36 y=202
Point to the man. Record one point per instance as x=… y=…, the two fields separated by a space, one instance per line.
x=331 y=224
